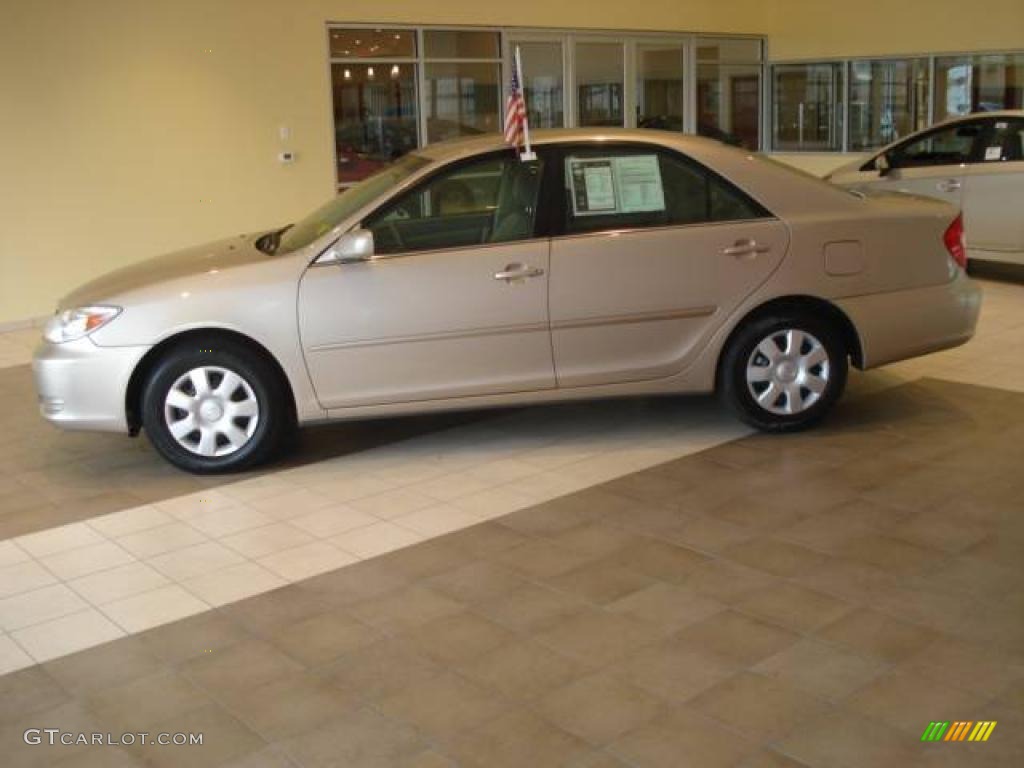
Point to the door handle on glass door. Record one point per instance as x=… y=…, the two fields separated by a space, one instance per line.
x=745 y=248
x=949 y=185
x=517 y=272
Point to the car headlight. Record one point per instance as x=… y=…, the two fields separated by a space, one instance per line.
x=72 y=324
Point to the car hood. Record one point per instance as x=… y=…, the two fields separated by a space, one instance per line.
x=219 y=256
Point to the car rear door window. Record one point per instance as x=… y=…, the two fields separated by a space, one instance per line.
x=489 y=200
x=610 y=189
x=1005 y=142
x=952 y=145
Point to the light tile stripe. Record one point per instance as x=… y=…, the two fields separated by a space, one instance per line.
x=78 y=585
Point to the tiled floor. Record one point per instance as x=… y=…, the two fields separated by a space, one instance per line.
x=591 y=585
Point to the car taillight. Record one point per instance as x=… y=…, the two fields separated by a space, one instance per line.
x=955 y=241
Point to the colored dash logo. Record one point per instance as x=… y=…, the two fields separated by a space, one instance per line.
x=959 y=730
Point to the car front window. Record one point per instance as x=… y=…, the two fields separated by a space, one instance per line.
x=332 y=213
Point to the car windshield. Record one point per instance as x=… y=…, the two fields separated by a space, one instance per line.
x=330 y=214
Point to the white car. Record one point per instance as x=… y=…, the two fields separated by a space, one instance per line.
x=975 y=162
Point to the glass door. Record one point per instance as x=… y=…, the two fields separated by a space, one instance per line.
x=543 y=80
x=660 y=90
x=600 y=83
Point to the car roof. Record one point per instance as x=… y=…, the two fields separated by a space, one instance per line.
x=454 y=148
x=782 y=189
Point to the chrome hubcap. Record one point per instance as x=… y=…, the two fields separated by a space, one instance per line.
x=788 y=371
x=211 y=411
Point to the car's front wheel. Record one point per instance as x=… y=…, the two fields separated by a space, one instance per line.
x=215 y=407
x=783 y=372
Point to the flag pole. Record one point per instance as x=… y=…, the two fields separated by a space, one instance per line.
x=527 y=154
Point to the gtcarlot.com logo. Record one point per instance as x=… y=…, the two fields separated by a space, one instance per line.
x=958 y=730
x=55 y=736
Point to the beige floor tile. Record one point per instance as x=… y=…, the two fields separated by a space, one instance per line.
x=58 y=539
x=218 y=523
x=449 y=487
x=11 y=554
x=376 y=539
x=258 y=542
x=165 y=538
x=67 y=634
x=39 y=605
x=599 y=708
x=437 y=520
x=83 y=561
x=392 y=504
x=116 y=583
x=307 y=560
x=494 y=502
x=196 y=560
x=130 y=521
x=332 y=520
x=12 y=656
x=23 y=576
x=153 y=608
x=233 y=583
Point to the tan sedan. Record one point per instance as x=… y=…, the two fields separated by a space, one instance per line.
x=616 y=263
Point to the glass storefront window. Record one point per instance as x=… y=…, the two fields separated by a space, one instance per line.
x=460 y=44
x=372 y=43
x=729 y=103
x=888 y=100
x=374 y=116
x=965 y=84
x=659 y=86
x=543 y=82
x=600 y=84
x=462 y=99
x=808 y=110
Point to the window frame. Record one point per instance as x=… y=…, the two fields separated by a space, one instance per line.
x=557 y=208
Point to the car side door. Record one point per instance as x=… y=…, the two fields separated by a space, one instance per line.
x=932 y=164
x=453 y=302
x=651 y=253
x=993 y=194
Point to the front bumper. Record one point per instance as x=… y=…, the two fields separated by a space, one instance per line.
x=83 y=386
x=902 y=324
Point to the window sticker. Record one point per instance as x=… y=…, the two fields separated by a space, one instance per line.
x=611 y=185
x=993 y=153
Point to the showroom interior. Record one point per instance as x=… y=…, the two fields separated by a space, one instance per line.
x=595 y=583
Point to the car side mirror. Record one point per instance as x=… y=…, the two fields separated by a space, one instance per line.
x=351 y=248
x=882 y=165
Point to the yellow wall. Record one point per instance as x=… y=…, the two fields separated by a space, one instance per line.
x=133 y=127
x=806 y=29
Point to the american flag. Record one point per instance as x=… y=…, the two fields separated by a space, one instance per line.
x=515 y=113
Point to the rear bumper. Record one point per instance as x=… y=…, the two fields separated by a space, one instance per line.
x=82 y=386
x=902 y=324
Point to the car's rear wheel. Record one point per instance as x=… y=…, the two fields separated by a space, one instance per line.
x=216 y=408
x=783 y=372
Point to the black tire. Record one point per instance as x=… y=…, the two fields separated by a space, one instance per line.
x=274 y=420
x=736 y=390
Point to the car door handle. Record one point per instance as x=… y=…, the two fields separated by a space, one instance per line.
x=949 y=185
x=745 y=248
x=517 y=272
